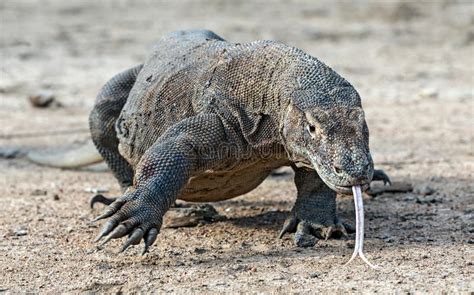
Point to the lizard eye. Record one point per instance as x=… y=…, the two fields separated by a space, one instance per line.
x=311 y=129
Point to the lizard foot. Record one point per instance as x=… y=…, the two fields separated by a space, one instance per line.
x=99 y=198
x=307 y=233
x=134 y=215
x=380 y=175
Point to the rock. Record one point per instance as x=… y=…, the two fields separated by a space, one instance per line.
x=424 y=190
x=389 y=240
x=96 y=190
x=467 y=39
x=395 y=187
x=405 y=11
x=409 y=198
x=9 y=152
x=428 y=93
x=314 y=275
x=428 y=200
x=199 y=250
x=305 y=240
x=39 y=192
x=43 y=99
x=20 y=232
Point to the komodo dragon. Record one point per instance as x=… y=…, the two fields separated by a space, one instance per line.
x=207 y=120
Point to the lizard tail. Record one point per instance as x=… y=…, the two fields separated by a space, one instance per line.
x=75 y=158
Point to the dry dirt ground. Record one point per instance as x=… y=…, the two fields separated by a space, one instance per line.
x=413 y=66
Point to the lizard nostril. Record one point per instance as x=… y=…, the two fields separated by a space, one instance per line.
x=337 y=169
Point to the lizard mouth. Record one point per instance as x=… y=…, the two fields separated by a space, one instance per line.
x=347 y=190
x=344 y=189
x=341 y=189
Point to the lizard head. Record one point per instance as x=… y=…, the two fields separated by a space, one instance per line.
x=328 y=132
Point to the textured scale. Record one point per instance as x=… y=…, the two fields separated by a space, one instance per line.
x=204 y=119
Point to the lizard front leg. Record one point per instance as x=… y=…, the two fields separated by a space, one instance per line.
x=314 y=213
x=313 y=216
x=185 y=149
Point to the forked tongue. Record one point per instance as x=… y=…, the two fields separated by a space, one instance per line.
x=359 y=240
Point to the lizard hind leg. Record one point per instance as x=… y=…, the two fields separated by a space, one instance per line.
x=107 y=108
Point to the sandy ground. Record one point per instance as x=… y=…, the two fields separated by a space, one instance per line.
x=413 y=66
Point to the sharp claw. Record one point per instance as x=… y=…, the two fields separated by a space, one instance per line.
x=119 y=232
x=380 y=175
x=105 y=230
x=387 y=180
x=349 y=228
x=327 y=233
x=289 y=226
x=124 y=247
x=99 y=198
x=282 y=233
x=114 y=207
x=343 y=231
x=105 y=241
x=106 y=214
x=98 y=237
x=135 y=237
x=102 y=216
x=150 y=238
x=341 y=227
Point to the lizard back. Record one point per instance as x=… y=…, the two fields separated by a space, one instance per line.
x=198 y=72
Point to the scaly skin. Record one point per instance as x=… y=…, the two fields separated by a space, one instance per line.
x=314 y=214
x=108 y=105
x=207 y=120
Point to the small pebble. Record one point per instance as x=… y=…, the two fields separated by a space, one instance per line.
x=314 y=275
x=42 y=99
x=9 y=152
x=409 y=198
x=39 y=192
x=424 y=190
x=428 y=93
x=389 y=240
x=199 y=250
x=20 y=232
x=96 y=190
